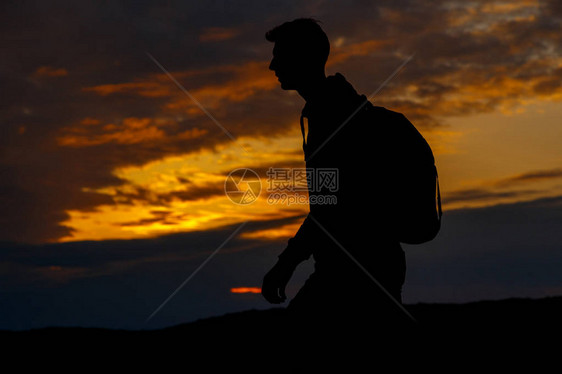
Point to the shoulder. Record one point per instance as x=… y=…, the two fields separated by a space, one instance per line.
x=386 y=113
x=393 y=121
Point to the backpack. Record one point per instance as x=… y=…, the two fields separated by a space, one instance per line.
x=414 y=190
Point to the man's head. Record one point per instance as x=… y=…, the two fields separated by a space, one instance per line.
x=300 y=52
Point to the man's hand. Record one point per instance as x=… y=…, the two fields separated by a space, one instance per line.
x=275 y=281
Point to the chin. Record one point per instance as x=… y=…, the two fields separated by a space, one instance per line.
x=287 y=86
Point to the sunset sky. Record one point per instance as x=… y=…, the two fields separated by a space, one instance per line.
x=113 y=177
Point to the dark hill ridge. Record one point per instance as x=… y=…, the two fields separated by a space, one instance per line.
x=505 y=332
x=483 y=316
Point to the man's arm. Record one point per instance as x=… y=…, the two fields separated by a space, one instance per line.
x=299 y=249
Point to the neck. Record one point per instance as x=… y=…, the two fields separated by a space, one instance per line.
x=313 y=88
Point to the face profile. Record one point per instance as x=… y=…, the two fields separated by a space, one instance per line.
x=300 y=53
x=289 y=70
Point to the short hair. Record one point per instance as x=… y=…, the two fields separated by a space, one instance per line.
x=304 y=36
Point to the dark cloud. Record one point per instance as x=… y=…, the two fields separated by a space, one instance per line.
x=549 y=85
x=195 y=192
x=482 y=194
x=532 y=176
x=100 y=258
x=262 y=169
x=119 y=283
x=159 y=216
x=510 y=250
x=500 y=189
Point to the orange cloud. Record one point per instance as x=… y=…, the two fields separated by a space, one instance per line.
x=185 y=193
x=131 y=130
x=509 y=7
x=242 y=81
x=465 y=91
x=90 y=121
x=59 y=274
x=363 y=48
x=47 y=71
x=217 y=34
x=275 y=233
x=245 y=290
x=143 y=88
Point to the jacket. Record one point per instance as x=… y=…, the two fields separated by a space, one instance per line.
x=340 y=138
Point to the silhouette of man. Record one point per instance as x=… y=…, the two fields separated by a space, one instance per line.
x=350 y=238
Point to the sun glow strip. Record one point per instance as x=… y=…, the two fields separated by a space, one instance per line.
x=245 y=290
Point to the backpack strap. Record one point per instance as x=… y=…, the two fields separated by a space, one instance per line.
x=439 y=210
x=304 y=145
x=302 y=131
